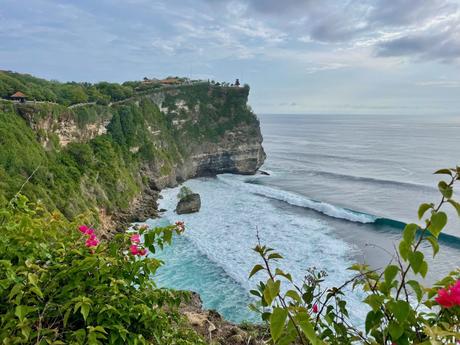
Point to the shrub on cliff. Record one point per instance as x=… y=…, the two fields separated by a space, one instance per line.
x=61 y=284
x=401 y=309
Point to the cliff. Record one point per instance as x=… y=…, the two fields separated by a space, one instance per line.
x=111 y=157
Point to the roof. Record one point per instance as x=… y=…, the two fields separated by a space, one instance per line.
x=18 y=94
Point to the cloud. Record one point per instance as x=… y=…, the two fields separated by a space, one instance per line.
x=439 y=40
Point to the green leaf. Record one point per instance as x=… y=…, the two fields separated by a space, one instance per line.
x=415 y=285
x=255 y=269
x=395 y=330
x=22 y=311
x=409 y=232
x=434 y=243
x=279 y=272
x=400 y=310
x=424 y=269
x=438 y=221
x=374 y=301
x=271 y=290
x=456 y=205
x=84 y=310
x=390 y=273
x=404 y=249
x=416 y=260
x=445 y=189
x=444 y=171
x=36 y=291
x=293 y=295
x=422 y=209
x=307 y=328
x=277 y=321
x=274 y=256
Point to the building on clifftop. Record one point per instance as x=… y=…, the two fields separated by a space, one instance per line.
x=18 y=97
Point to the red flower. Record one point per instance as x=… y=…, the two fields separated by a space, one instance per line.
x=450 y=296
x=315 y=308
x=134 y=250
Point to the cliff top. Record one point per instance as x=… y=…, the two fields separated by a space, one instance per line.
x=82 y=93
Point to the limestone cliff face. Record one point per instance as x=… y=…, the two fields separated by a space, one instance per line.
x=237 y=148
x=166 y=136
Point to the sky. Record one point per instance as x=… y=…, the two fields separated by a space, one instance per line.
x=299 y=56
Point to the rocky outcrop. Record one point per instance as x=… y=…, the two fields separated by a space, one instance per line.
x=211 y=326
x=189 y=204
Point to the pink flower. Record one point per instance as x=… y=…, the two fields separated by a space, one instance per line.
x=83 y=229
x=136 y=238
x=450 y=296
x=180 y=226
x=86 y=230
x=134 y=249
x=315 y=308
x=92 y=241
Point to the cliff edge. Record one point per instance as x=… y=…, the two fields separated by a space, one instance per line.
x=108 y=149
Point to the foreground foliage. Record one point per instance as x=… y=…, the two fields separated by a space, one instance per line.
x=401 y=309
x=61 y=284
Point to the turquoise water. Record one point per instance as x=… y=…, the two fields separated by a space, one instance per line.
x=188 y=269
x=338 y=190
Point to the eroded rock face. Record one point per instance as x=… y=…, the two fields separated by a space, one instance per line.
x=216 y=330
x=189 y=204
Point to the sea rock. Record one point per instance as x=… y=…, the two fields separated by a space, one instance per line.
x=189 y=204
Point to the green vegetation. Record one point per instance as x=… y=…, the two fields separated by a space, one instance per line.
x=215 y=109
x=184 y=192
x=59 y=285
x=62 y=93
x=104 y=171
x=401 y=310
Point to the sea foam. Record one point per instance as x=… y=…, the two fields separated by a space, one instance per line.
x=224 y=232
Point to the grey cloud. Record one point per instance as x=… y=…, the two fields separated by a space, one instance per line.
x=407 y=12
x=439 y=43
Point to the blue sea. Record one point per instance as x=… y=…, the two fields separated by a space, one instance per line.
x=339 y=190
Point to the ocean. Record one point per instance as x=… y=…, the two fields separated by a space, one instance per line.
x=339 y=190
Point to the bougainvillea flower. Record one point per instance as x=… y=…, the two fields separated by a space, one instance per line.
x=83 y=229
x=180 y=226
x=92 y=241
x=136 y=238
x=315 y=308
x=134 y=249
x=450 y=296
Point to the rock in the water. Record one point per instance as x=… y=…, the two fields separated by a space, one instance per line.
x=189 y=204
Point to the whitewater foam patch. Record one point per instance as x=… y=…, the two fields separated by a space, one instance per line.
x=301 y=201
x=233 y=211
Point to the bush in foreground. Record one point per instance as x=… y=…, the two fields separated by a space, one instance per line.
x=60 y=284
x=401 y=310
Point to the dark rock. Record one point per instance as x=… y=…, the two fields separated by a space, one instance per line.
x=189 y=204
x=162 y=210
